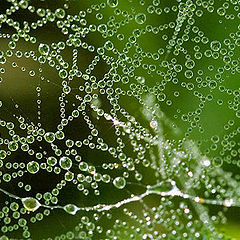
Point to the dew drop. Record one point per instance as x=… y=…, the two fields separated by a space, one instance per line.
x=217 y=161
x=112 y=3
x=33 y=167
x=215 y=45
x=228 y=202
x=71 y=209
x=43 y=49
x=140 y=18
x=161 y=96
x=3 y=154
x=102 y=28
x=161 y=187
x=141 y=79
x=30 y=204
x=51 y=161
x=4 y=237
x=108 y=45
x=2 y=59
x=65 y=163
x=12 y=146
x=49 y=137
x=63 y=73
x=119 y=182
x=60 y=13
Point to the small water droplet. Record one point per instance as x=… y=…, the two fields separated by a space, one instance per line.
x=228 y=202
x=43 y=49
x=33 y=167
x=65 y=163
x=141 y=79
x=60 y=13
x=119 y=182
x=112 y=3
x=49 y=137
x=140 y=18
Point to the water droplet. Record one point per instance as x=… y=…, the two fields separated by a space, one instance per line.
x=215 y=45
x=153 y=124
x=163 y=187
x=63 y=73
x=141 y=79
x=7 y=177
x=119 y=182
x=228 y=202
x=49 y=137
x=59 y=135
x=161 y=96
x=43 y=49
x=33 y=167
x=140 y=18
x=4 y=237
x=71 y=209
x=51 y=161
x=217 y=161
x=12 y=146
x=60 y=13
x=102 y=28
x=3 y=154
x=65 y=163
x=112 y=3
x=30 y=204
x=108 y=45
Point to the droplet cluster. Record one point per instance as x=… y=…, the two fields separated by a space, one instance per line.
x=120 y=116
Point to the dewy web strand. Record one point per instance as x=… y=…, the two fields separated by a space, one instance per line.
x=164 y=189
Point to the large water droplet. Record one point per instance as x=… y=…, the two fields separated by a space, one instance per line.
x=31 y=204
x=109 y=45
x=71 y=209
x=163 y=187
x=4 y=237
